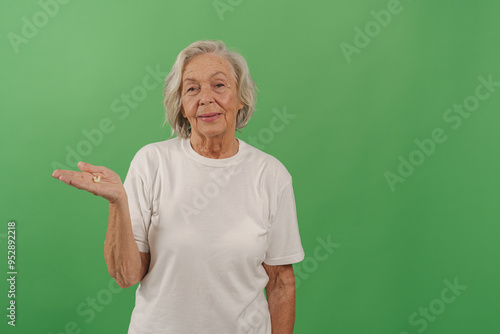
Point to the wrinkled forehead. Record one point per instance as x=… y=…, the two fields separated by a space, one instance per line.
x=208 y=64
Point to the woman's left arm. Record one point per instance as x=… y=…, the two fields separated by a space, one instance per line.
x=280 y=291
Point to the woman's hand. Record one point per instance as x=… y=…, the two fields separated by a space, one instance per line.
x=109 y=187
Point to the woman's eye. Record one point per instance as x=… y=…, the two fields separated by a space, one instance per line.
x=190 y=89
x=219 y=85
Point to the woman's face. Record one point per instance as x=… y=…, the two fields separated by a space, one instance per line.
x=209 y=96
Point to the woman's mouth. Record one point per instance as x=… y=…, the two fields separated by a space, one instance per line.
x=210 y=117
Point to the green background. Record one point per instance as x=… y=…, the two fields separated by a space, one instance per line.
x=354 y=121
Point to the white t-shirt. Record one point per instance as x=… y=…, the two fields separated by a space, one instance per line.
x=208 y=225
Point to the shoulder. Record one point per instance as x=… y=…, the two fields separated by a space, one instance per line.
x=150 y=157
x=156 y=150
x=270 y=167
x=148 y=160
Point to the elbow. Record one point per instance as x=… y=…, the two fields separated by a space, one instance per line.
x=125 y=284
x=124 y=281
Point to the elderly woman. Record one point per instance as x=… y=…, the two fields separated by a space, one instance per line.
x=204 y=221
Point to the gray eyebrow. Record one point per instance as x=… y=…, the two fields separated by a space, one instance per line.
x=218 y=72
x=213 y=75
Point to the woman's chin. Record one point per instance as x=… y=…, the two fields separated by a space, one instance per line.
x=212 y=130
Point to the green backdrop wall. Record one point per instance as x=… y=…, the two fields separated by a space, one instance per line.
x=385 y=113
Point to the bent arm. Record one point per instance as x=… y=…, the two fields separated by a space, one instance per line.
x=125 y=263
x=280 y=291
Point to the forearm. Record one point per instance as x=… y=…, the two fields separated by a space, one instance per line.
x=281 y=301
x=120 y=250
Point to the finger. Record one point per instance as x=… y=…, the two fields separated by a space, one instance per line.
x=63 y=172
x=86 y=167
x=78 y=180
x=58 y=172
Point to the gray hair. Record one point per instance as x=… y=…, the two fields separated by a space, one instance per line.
x=172 y=93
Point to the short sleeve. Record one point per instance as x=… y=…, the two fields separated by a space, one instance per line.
x=284 y=244
x=139 y=201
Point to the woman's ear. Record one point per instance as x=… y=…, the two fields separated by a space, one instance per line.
x=241 y=106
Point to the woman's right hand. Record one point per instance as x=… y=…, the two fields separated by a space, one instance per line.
x=109 y=187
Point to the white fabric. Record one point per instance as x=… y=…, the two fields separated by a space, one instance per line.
x=208 y=224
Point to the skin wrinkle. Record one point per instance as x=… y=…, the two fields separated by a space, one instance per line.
x=280 y=292
x=209 y=86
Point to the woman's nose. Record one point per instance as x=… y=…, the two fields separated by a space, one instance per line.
x=206 y=96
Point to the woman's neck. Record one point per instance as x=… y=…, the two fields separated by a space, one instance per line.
x=217 y=147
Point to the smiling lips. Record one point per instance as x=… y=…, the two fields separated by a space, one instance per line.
x=210 y=117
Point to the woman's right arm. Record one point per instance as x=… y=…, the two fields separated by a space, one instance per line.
x=125 y=263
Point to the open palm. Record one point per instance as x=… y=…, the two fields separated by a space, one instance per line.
x=109 y=186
